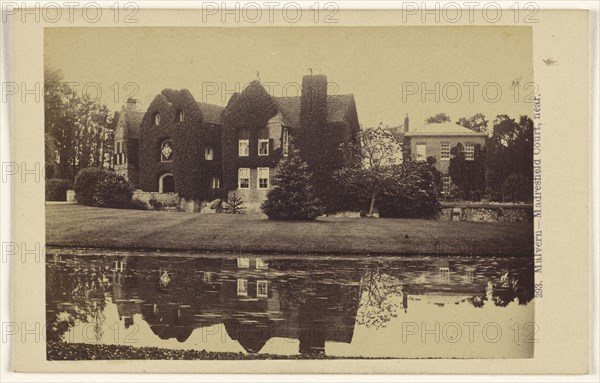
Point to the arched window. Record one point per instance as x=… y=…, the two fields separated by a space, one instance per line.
x=166 y=183
x=181 y=116
x=166 y=151
x=156 y=118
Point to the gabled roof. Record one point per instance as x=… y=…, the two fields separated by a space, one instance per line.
x=289 y=107
x=337 y=108
x=443 y=129
x=211 y=113
x=133 y=121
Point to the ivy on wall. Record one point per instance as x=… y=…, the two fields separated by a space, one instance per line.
x=468 y=176
x=250 y=110
x=191 y=172
x=322 y=143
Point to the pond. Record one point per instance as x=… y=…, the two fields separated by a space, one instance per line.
x=358 y=307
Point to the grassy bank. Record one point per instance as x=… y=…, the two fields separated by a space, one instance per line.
x=72 y=225
x=80 y=351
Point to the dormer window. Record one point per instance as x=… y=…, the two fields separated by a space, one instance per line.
x=156 y=118
x=181 y=116
x=166 y=151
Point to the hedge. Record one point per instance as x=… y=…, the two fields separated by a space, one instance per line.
x=56 y=189
x=102 y=188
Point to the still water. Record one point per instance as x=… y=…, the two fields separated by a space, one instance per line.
x=361 y=307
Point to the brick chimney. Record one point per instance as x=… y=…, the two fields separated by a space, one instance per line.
x=406 y=123
x=313 y=101
x=132 y=104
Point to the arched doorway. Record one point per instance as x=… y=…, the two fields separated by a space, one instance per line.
x=166 y=183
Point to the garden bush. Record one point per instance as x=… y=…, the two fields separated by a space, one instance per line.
x=137 y=204
x=56 y=189
x=414 y=195
x=102 y=188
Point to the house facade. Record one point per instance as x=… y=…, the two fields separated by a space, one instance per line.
x=435 y=141
x=196 y=149
x=127 y=137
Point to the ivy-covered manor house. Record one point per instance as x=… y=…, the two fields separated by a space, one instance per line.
x=200 y=151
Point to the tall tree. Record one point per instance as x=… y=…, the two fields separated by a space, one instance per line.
x=438 y=118
x=373 y=170
x=477 y=123
x=510 y=152
x=79 y=129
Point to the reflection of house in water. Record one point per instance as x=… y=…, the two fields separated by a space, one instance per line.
x=444 y=282
x=255 y=299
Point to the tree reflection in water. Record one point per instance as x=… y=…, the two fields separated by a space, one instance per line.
x=257 y=299
x=380 y=291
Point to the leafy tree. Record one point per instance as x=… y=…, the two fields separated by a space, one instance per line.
x=477 y=123
x=292 y=196
x=510 y=151
x=516 y=187
x=468 y=176
x=79 y=129
x=412 y=192
x=372 y=171
x=438 y=118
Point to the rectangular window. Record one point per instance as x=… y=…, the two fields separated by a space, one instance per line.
x=242 y=287
x=244 y=148
x=208 y=154
x=469 y=152
x=444 y=275
x=244 y=178
x=445 y=151
x=263 y=147
x=243 y=263
x=285 y=141
x=261 y=263
x=263 y=178
x=421 y=152
x=119 y=147
x=216 y=183
x=446 y=182
x=262 y=289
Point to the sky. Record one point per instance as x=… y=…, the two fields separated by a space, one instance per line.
x=388 y=69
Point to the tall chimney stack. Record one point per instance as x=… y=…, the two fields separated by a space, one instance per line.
x=132 y=104
x=313 y=101
x=406 y=123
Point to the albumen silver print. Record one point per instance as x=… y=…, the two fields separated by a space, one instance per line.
x=352 y=192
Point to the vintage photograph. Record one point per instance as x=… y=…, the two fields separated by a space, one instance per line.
x=290 y=193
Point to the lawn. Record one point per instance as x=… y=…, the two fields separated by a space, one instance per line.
x=71 y=225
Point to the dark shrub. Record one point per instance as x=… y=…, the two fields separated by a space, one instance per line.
x=56 y=189
x=516 y=188
x=156 y=204
x=137 y=204
x=214 y=194
x=102 y=188
x=414 y=195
